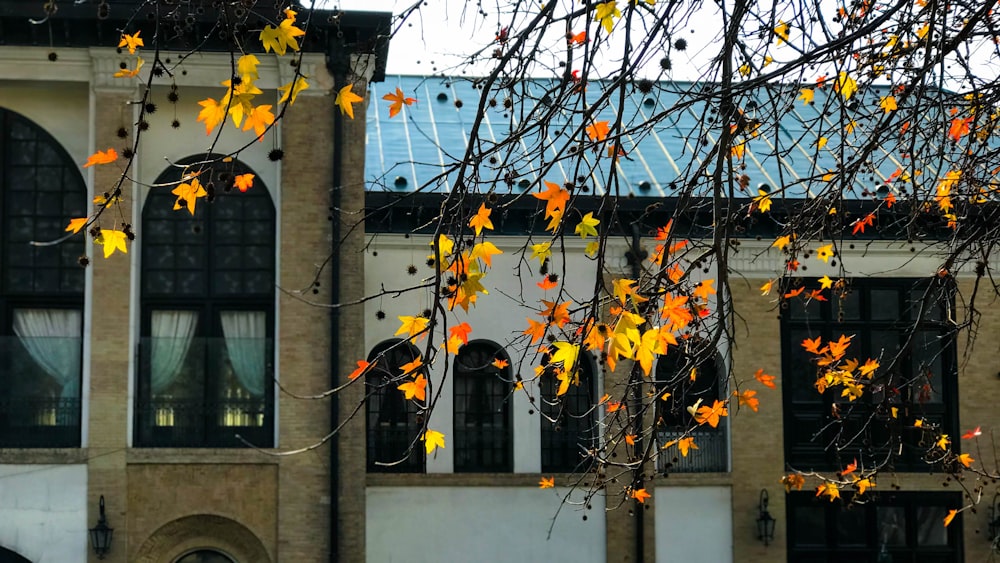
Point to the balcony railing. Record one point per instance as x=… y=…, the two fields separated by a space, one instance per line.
x=185 y=423
x=712 y=455
x=32 y=422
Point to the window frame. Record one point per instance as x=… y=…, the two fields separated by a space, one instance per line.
x=561 y=450
x=62 y=426
x=805 y=411
x=376 y=392
x=209 y=410
x=469 y=458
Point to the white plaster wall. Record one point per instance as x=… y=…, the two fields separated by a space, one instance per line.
x=43 y=512
x=499 y=316
x=480 y=524
x=61 y=108
x=694 y=524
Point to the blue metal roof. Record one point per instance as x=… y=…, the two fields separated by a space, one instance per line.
x=409 y=152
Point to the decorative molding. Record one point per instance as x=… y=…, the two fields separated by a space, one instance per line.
x=32 y=63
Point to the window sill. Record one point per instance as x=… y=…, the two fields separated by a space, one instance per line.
x=199 y=456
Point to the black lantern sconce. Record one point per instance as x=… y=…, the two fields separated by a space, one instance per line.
x=100 y=535
x=765 y=522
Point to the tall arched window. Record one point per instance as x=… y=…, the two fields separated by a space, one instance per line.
x=484 y=430
x=41 y=288
x=8 y=556
x=207 y=319
x=569 y=422
x=393 y=421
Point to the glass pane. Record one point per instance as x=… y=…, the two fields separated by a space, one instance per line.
x=848 y=307
x=891 y=526
x=927 y=365
x=852 y=526
x=810 y=526
x=884 y=305
x=930 y=530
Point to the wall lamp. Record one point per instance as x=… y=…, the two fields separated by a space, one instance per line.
x=100 y=535
x=765 y=522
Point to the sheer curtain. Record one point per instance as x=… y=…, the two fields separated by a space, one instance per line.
x=172 y=333
x=245 y=333
x=52 y=338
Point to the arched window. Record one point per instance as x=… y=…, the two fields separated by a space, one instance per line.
x=393 y=421
x=569 y=422
x=207 y=319
x=41 y=288
x=205 y=556
x=690 y=372
x=8 y=556
x=484 y=434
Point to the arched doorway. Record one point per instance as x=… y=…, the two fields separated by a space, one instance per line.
x=205 y=556
x=8 y=556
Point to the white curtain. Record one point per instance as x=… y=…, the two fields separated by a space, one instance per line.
x=53 y=338
x=172 y=332
x=245 y=333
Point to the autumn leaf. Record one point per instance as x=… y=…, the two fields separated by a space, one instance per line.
x=557 y=313
x=711 y=414
x=481 y=220
x=598 y=131
x=76 y=224
x=243 y=182
x=765 y=379
x=547 y=483
x=500 y=363
x=807 y=95
x=566 y=354
x=748 y=398
x=555 y=198
x=845 y=86
x=859 y=225
x=781 y=31
x=542 y=251
x=259 y=119
x=685 y=444
x=101 y=157
x=188 y=194
x=793 y=480
x=131 y=41
x=246 y=67
x=812 y=346
x=868 y=370
x=851 y=468
x=641 y=495
x=212 y=113
x=943 y=441
x=398 y=101
x=762 y=201
x=704 y=289
x=587 y=226
x=548 y=282
x=950 y=517
x=959 y=128
x=292 y=89
x=485 y=251
x=825 y=282
x=965 y=459
x=606 y=13
x=614 y=406
x=630 y=439
x=126 y=73
x=972 y=433
x=412 y=326
x=824 y=253
x=766 y=288
x=281 y=37
x=535 y=330
x=578 y=39
x=864 y=484
x=461 y=331
x=888 y=103
x=112 y=241
x=781 y=242
x=828 y=490
x=362 y=368
x=432 y=440
x=415 y=389
x=345 y=100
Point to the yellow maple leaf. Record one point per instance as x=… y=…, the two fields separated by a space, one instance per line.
x=281 y=37
x=259 y=119
x=807 y=95
x=829 y=490
x=965 y=459
x=131 y=41
x=485 y=251
x=821 y=142
x=781 y=242
x=606 y=13
x=432 y=440
x=566 y=354
x=412 y=326
x=943 y=441
x=950 y=517
x=345 y=100
x=292 y=90
x=212 y=113
x=547 y=483
x=845 y=85
x=415 y=389
x=246 y=67
x=481 y=220
x=864 y=484
x=888 y=103
x=188 y=194
x=781 y=31
x=112 y=241
x=762 y=201
x=587 y=226
x=76 y=224
x=825 y=252
x=542 y=251
x=766 y=288
x=126 y=73
x=825 y=282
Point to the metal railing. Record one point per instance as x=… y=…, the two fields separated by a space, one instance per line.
x=712 y=455
x=37 y=422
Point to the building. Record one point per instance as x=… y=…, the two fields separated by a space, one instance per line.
x=141 y=389
x=483 y=488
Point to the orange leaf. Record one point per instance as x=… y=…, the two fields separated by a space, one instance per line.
x=851 y=468
x=101 y=157
x=641 y=495
x=950 y=517
x=412 y=367
x=630 y=439
x=536 y=330
x=614 y=406
x=500 y=363
x=547 y=283
x=972 y=433
x=243 y=182
x=711 y=414
x=579 y=38
x=461 y=331
x=547 y=483
x=748 y=399
x=415 y=389
x=791 y=480
x=959 y=128
x=965 y=459
x=795 y=292
x=398 y=101
x=76 y=224
x=828 y=490
x=598 y=131
x=362 y=367
x=765 y=379
x=812 y=346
